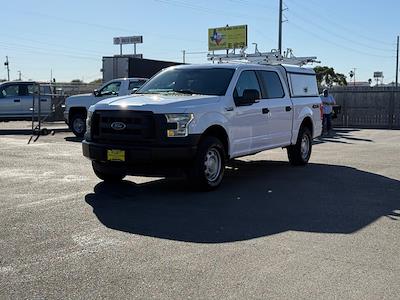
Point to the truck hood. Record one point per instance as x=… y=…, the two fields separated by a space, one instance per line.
x=157 y=103
x=80 y=97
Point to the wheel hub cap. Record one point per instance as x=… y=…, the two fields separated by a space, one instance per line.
x=78 y=124
x=305 y=147
x=212 y=164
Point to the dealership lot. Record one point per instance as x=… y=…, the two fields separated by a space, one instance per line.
x=328 y=230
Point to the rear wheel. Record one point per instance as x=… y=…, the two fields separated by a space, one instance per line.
x=78 y=124
x=299 y=154
x=208 y=166
x=107 y=173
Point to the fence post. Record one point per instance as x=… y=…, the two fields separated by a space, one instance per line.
x=391 y=109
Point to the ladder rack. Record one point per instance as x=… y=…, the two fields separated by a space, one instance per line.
x=263 y=58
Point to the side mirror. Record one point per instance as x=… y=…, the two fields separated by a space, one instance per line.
x=249 y=97
x=134 y=90
x=96 y=93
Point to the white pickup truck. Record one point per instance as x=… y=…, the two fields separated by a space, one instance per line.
x=195 y=118
x=76 y=106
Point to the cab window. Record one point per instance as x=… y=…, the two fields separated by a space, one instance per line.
x=9 y=91
x=110 y=89
x=136 y=84
x=24 y=90
x=247 y=81
x=272 y=85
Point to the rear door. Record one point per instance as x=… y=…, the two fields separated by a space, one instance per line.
x=27 y=91
x=279 y=109
x=10 y=102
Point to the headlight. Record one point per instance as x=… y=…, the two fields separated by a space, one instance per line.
x=88 y=124
x=178 y=124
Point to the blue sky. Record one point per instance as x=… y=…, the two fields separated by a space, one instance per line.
x=70 y=37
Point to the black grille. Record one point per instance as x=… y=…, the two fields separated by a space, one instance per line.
x=140 y=127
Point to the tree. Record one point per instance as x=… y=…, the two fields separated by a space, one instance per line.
x=327 y=76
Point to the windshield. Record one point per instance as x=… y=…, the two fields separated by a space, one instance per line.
x=190 y=81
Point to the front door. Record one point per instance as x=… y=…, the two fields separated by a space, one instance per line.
x=10 y=102
x=249 y=124
x=108 y=91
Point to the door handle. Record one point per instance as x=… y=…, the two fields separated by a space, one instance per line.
x=265 y=110
x=288 y=108
x=43 y=100
x=17 y=100
x=315 y=106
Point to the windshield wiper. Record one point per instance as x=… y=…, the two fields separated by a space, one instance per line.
x=186 y=92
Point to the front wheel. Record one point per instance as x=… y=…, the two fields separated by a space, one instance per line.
x=299 y=154
x=78 y=124
x=106 y=173
x=208 y=166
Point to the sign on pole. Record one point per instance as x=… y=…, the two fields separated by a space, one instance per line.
x=229 y=37
x=124 y=40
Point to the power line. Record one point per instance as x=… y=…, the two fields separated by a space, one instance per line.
x=341 y=46
x=351 y=40
x=357 y=33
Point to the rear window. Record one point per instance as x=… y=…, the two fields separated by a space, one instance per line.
x=303 y=85
x=272 y=84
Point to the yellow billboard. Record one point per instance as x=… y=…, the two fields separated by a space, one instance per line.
x=230 y=37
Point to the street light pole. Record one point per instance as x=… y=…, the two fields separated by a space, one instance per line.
x=397 y=64
x=7 y=64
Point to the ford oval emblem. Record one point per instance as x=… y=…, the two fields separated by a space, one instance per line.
x=118 y=126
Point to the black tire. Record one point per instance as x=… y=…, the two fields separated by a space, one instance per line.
x=77 y=123
x=300 y=155
x=107 y=173
x=208 y=178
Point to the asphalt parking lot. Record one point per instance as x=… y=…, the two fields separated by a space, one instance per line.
x=329 y=230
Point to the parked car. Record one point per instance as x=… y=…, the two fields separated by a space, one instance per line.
x=194 y=118
x=76 y=106
x=16 y=100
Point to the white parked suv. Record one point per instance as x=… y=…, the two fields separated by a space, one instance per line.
x=194 y=118
x=76 y=106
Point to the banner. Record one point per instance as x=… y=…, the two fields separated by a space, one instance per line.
x=223 y=38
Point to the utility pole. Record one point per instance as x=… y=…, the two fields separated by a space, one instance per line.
x=184 y=56
x=280 y=26
x=8 y=68
x=353 y=75
x=397 y=64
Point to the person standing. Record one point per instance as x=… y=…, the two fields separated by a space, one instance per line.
x=327 y=104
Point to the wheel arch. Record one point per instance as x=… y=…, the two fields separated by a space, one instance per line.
x=219 y=132
x=76 y=110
